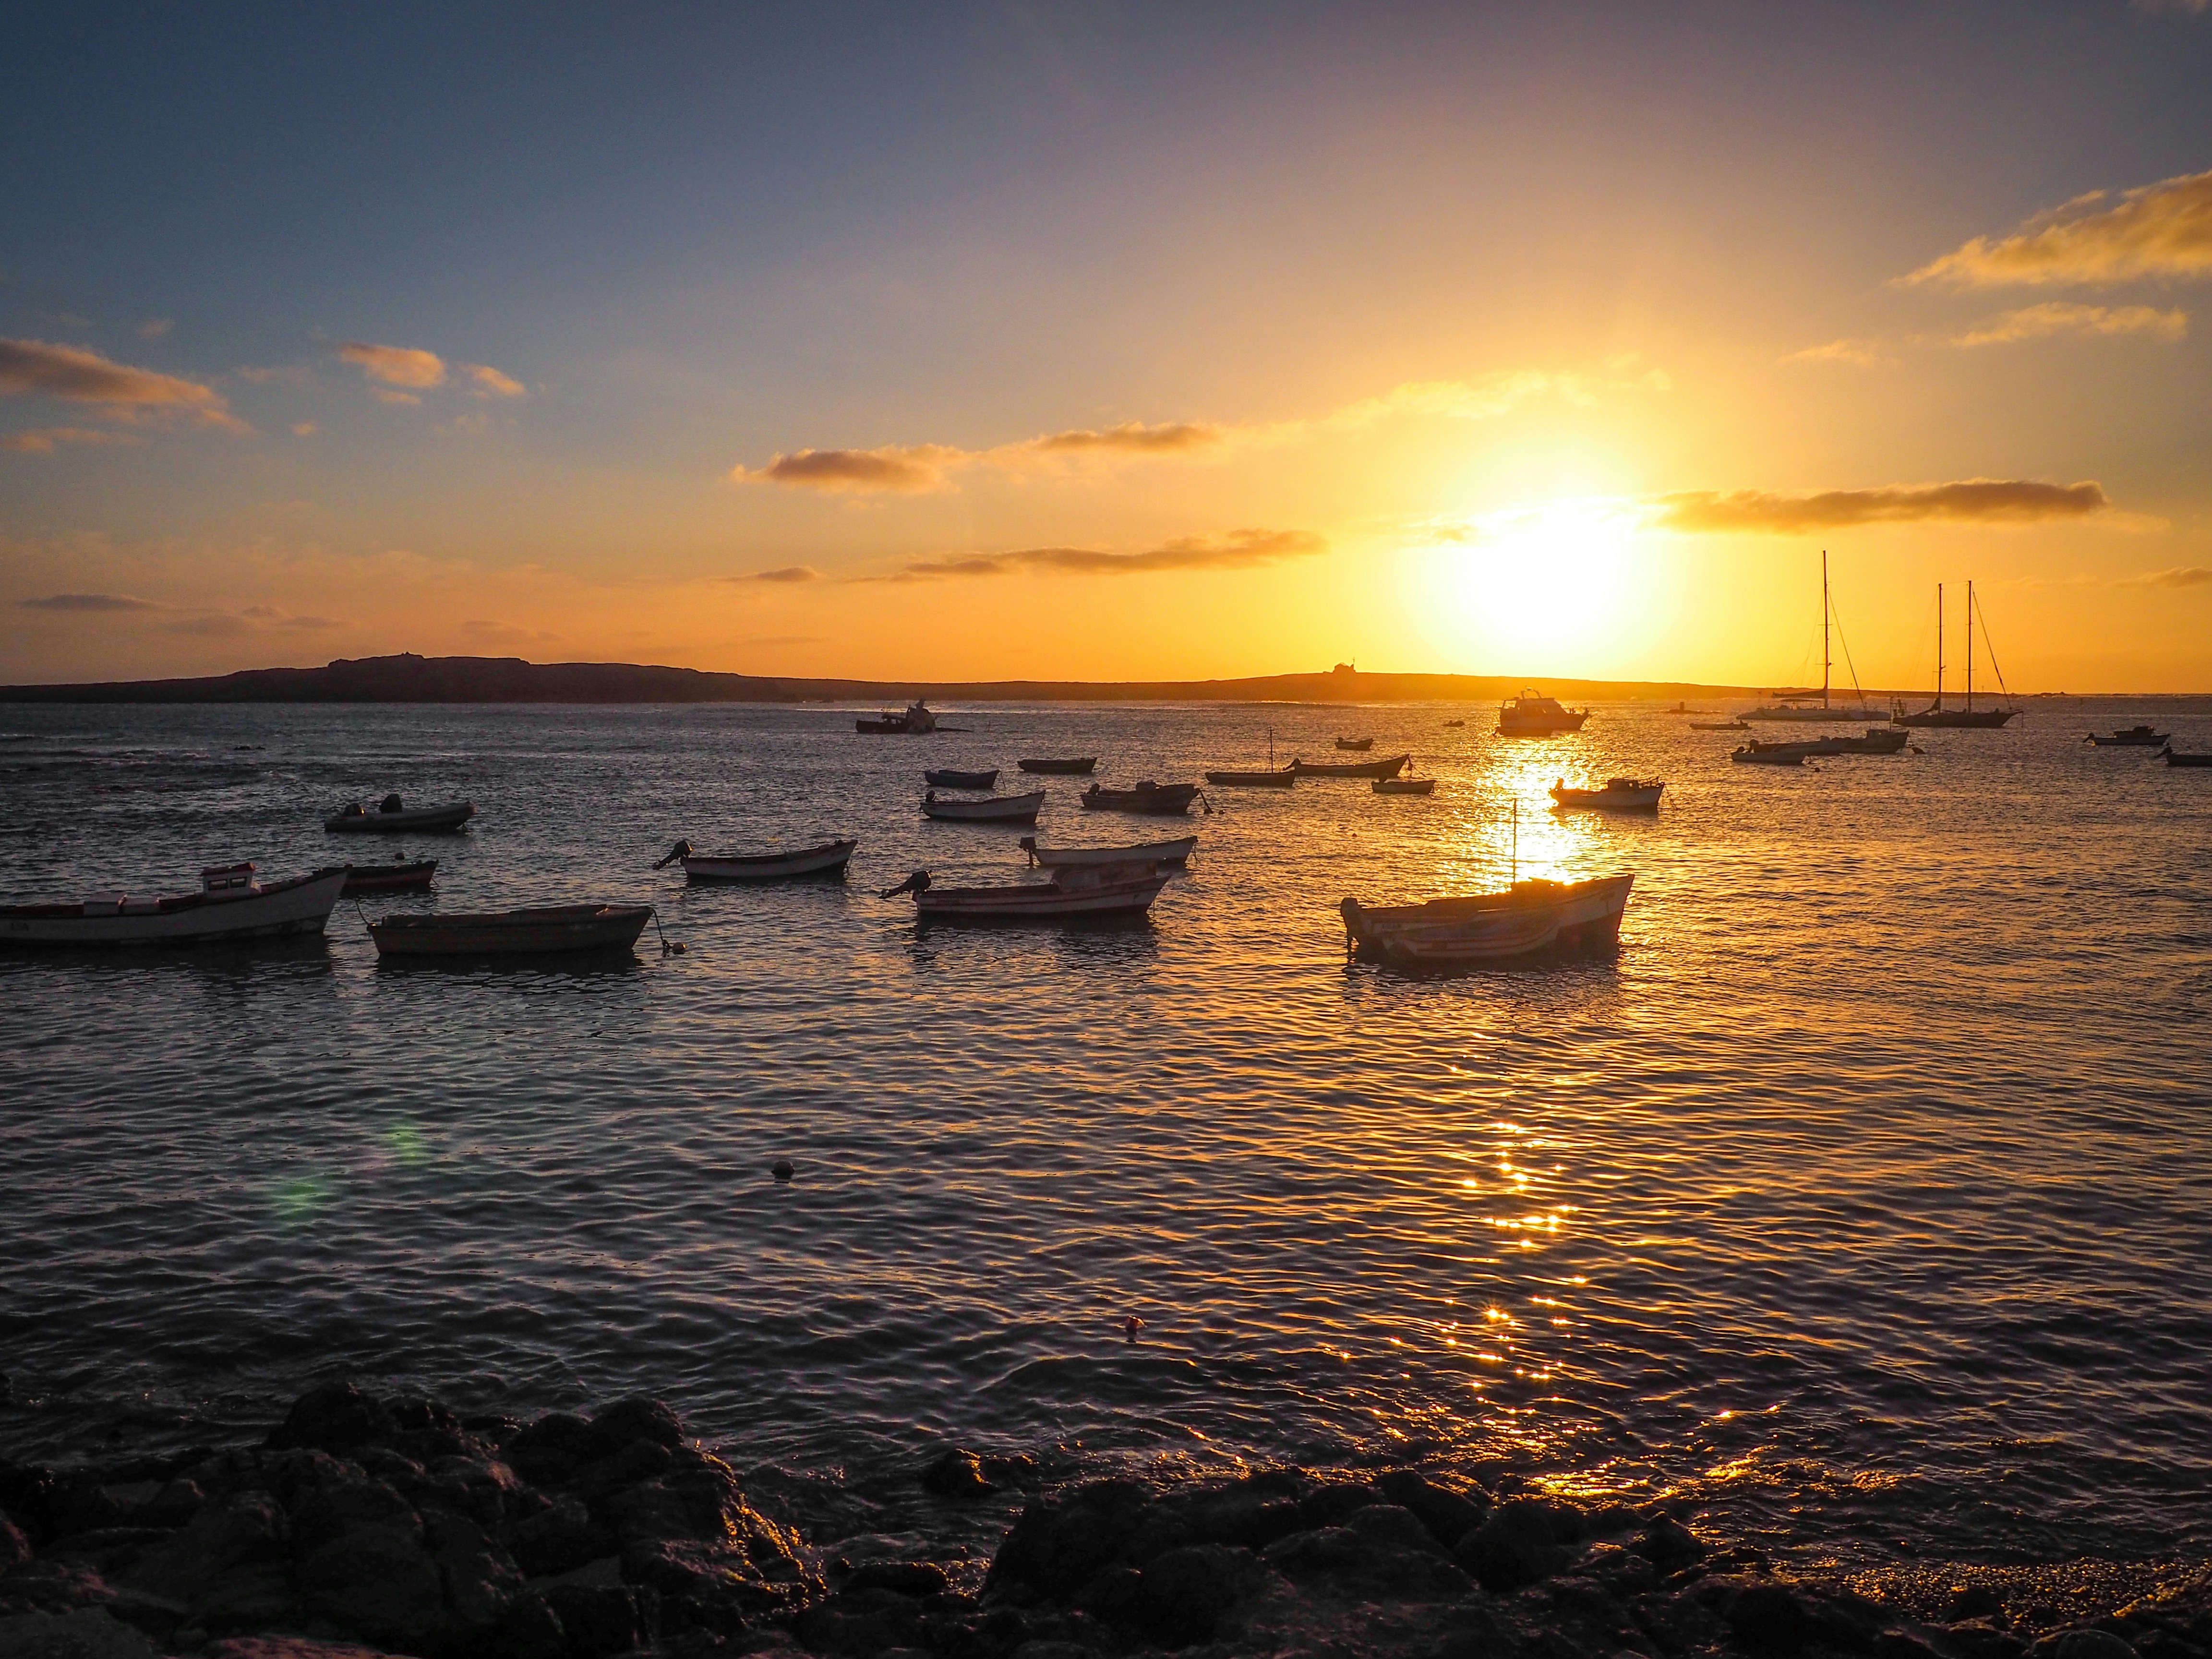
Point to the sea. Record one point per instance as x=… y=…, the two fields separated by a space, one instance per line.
x=1864 y=1199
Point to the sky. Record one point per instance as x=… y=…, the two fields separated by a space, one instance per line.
x=1098 y=342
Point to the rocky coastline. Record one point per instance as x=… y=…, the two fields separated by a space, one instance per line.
x=365 y=1525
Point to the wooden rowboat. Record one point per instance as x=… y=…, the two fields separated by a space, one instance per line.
x=1381 y=768
x=1356 y=745
x=1158 y=852
x=1404 y=786
x=1773 y=754
x=1074 y=767
x=1619 y=795
x=1154 y=799
x=2171 y=758
x=230 y=906
x=389 y=878
x=1531 y=918
x=945 y=778
x=828 y=861
x=1281 y=777
x=553 y=930
x=998 y=809
x=391 y=819
x=1087 y=892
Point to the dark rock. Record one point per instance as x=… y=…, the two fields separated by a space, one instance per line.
x=1515 y=1546
x=86 y=1633
x=2082 y=1643
x=287 y=1647
x=243 y=1528
x=1327 y=1506
x=379 y=1580
x=560 y=1540
x=529 y=1629
x=54 y=1587
x=859 y=1623
x=1770 y=1618
x=480 y=1577
x=26 y=1495
x=1054 y=1547
x=639 y=1462
x=547 y=1451
x=1449 y=1515
x=1984 y=1638
x=603 y=1619
x=79 y=1504
x=1393 y=1528
x=1904 y=1644
x=1338 y=1556
x=1669 y=1545
x=1111 y=1594
x=347 y=1499
x=900 y=1578
x=1973 y=1602
x=957 y=1473
x=173 y=1505
x=1184 y=1596
x=638 y=1418
x=336 y=1417
x=13 y=1546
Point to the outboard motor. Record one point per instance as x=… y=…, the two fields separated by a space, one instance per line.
x=917 y=884
x=681 y=850
x=391 y=804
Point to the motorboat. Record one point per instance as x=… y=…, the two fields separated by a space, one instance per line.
x=1404 y=786
x=1281 y=777
x=2174 y=758
x=995 y=808
x=1177 y=851
x=1719 y=725
x=943 y=779
x=916 y=719
x=231 y=905
x=393 y=817
x=2130 y=737
x=1877 y=740
x=1155 y=799
x=1074 y=767
x=389 y=878
x=1935 y=715
x=552 y=930
x=828 y=860
x=1079 y=893
x=1774 y=754
x=1356 y=746
x=1534 y=715
x=1530 y=919
x=1381 y=768
x=1619 y=795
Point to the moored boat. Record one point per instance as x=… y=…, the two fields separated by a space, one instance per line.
x=995 y=808
x=1774 y=754
x=393 y=818
x=1381 y=768
x=550 y=930
x=1404 y=786
x=1281 y=777
x=827 y=859
x=231 y=905
x=1154 y=799
x=2130 y=737
x=917 y=719
x=1356 y=745
x=1935 y=715
x=2172 y=758
x=945 y=779
x=1877 y=740
x=1156 y=852
x=389 y=878
x=1619 y=795
x=1530 y=919
x=1798 y=706
x=1073 y=766
x=1534 y=715
x=1079 y=893
x=1719 y=725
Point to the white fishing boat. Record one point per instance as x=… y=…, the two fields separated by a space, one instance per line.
x=1619 y=795
x=993 y=809
x=918 y=720
x=391 y=818
x=1082 y=892
x=1530 y=919
x=230 y=905
x=830 y=858
x=1532 y=715
x=1177 y=851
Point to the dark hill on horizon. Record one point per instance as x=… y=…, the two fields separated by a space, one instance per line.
x=410 y=678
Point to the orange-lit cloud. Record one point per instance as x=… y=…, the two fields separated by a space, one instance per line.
x=2186 y=575
x=490 y=383
x=2158 y=230
x=2060 y=317
x=123 y=392
x=400 y=365
x=1859 y=354
x=789 y=573
x=1984 y=501
x=42 y=441
x=154 y=327
x=894 y=467
x=96 y=602
x=1236 y=550
x=1130 y=438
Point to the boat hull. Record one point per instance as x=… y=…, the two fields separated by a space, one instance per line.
x=1533 y=921
x=1381 y=768
x=1077 y=766
x=1356 y=746
x=946 y=779
x=302 y=906
x=389 y=878
x=1177 y=851
x=1779 y=754
x=2131 y=740
x=1611 y=801
x=1404 y=786
x=1282 y=778
x=416 y=820
x=1169 y=801
x=562 y=930
x=1549 y=726
x=999 y=809
x=1955 y=719
x=1043 y=901
x=827 y=859
x=2173 y=759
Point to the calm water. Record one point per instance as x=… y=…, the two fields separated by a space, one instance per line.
x=1868 y=1193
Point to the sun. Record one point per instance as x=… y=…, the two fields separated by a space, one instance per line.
x=1531 y=581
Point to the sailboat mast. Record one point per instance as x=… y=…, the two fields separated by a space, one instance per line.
x=1824 y=627
x=1970 y=647
x=1939 y=645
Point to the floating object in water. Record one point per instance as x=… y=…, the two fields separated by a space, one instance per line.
x=997 y=809
x=1078 y=892
x=1074 y=765
x=391 y=818
x=1156 y=852
x=1154 y=799
x=916 y=721
x=830 y=858
x=389 y=878
x=1530 y=919
x=1404 y=786
x=2172 y=758
x=229 y=906
x=545 y=930
x=1619 y=795
x=2131 y=737
x=1130 y=1327
x=781 y=1168
x=1532 y=715
x=1281 y=777
x=943 y=778
x=1358 y=745
x=1381 y=768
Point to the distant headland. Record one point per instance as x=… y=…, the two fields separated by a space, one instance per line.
x=411 y=678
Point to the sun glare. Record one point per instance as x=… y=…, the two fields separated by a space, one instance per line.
x=1538 y=580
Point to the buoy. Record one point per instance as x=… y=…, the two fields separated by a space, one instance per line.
x=1130 y=1327
x=781 y=1168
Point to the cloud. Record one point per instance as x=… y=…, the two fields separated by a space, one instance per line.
x=1984 y=501
x=41 y=441
x=1859 y=354
x=2060 y=317
x=2183 y=576
x=401 y=366
x=2163 y=229
x=384 y=397
x=86 y=377
x=306 y=430
x=1237 y=549
x=490 y=383
x=90 y=602
x=896 y=467
x=209 y=624
x=154 y=327
x=500 y=633
x=299 y=376
x=1130 y=438
x=789 y=573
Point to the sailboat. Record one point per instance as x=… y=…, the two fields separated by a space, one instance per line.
x=1799 y=705
x=1935 y=715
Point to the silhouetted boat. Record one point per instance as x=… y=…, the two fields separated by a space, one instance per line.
x=1719 y=725
x=943 y=779
x=1619 y=795
x=1936 y=715
x=1532 y=716
x=2172 y=758
x=1157 y=852
x=229 y=906
x=1798 y=705
x=1077 y=767
x=1157 y=800
x=1356 y=745
x=552 y=930
x=1082 y=892
x=916 y=721
x=1773 y=754
x=1450 y=723
x=2130 y=737
x=1281 y=777
x=391 y=818
x=1404 y=786
x=1877 y=740
x=389 y=878
x=1530 y=919
x=1381 y=768
x=830 y=858
x=998 y=809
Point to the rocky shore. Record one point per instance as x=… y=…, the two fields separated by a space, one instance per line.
x=365 y=1526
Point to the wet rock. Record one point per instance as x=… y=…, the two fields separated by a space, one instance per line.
x=2082 y=1644
x=900 y=1578
x=1393 y=1528
x=378 y=1580
x=1669 y=1545
x=957 y=1473
x=86 y=1633
x=344 y=1499
x=1184 y=1596
x=53 y=1586
x=289 y=1647
x=561 y=1539
x=529 y=1629
x=1340 y=1559
x=337 y=1417
x=547 y=1452
x=1449 y=1515
x=1973 y=1602
x=480 y=1579
x=603 y=1619
x=1054 y=1547
x=638 y=1418
x=637 y=1463
x=860 y=1622
x=242 y=1528
x=15 y=1548
x=1327 y=1506
x=1769 y=1618
x=1984 y=1638
x=1516 y=1546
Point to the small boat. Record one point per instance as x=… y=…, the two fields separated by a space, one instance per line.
x=1530 y=919
x=1356 y=746
x=997 y=809
x=1685 y=709
x=2131 y=737
x=1404 y=786
x=946 y=779
x=1719 y=725
x=1076 y=767
x=1083 y=892
x=1774 y=754
x=1619 y=795
x=2172 y=758
x=229 y=906
x=1452 y=723
x=1878 y=740
x=1532 y=716
x=389 y=878
x=1177 y=851
x=1281 y=777
x=828 y=860
x=917 y=719
x=1156 y=799
x=393 y=818
x=1381 y=768
x=552 y=930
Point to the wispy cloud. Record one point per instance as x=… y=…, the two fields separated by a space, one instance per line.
x=789 y=573
x=43 y=440
x=299 y=376
x=1859 y=354
x=1236 y=549
x=904 y=468
x=502 y=633
x=122 y=393
x=97 y=602
x=1982 y=500
x=154 y=327
x=2181 y=575
x=400 y=366
x=490 y=383
x=2163 y=229
x=2061 y=317
x=189 y=619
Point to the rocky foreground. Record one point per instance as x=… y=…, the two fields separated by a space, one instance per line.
x=365 y=1526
